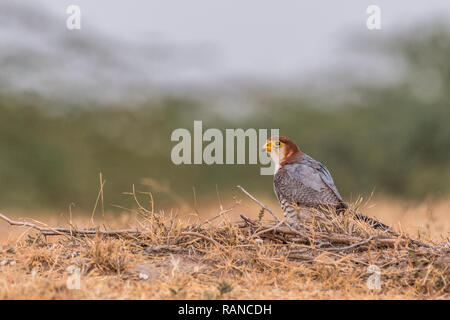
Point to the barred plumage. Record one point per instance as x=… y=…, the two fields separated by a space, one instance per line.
x=302 y=183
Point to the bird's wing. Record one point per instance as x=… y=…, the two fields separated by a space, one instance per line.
x=307 y=182
x=326 y=177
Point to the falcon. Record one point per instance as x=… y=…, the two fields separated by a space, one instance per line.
x=302 y=183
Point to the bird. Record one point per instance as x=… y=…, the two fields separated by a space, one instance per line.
x=302 y=183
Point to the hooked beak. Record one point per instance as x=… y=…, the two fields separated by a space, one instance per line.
x=266 y=147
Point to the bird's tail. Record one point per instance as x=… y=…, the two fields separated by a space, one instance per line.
x=371 y=222
x=361 y=217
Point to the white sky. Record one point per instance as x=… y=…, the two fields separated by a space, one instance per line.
x=256 y=38
x=139 y=47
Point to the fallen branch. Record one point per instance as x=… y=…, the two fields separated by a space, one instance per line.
x=49 y=231
x=357 y=244
x=287 y=234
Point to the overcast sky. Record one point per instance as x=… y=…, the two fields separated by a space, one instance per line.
x=144 y=44
x=250 y=37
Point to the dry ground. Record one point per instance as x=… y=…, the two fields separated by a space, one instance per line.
x=191 y=258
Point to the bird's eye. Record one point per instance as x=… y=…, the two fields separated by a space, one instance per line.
x=277 y=143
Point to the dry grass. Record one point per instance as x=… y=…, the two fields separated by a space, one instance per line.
x=232 y=258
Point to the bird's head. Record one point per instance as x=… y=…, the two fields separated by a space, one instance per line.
x=281 y=149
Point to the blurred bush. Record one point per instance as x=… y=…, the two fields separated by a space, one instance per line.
x=394 y=138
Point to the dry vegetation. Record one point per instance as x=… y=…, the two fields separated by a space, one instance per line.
x=226 y=256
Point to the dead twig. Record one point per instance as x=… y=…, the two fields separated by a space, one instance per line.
x=262 y=205
x=196 y=234
x=357 y=244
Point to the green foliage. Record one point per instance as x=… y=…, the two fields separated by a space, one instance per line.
x=395 y=139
